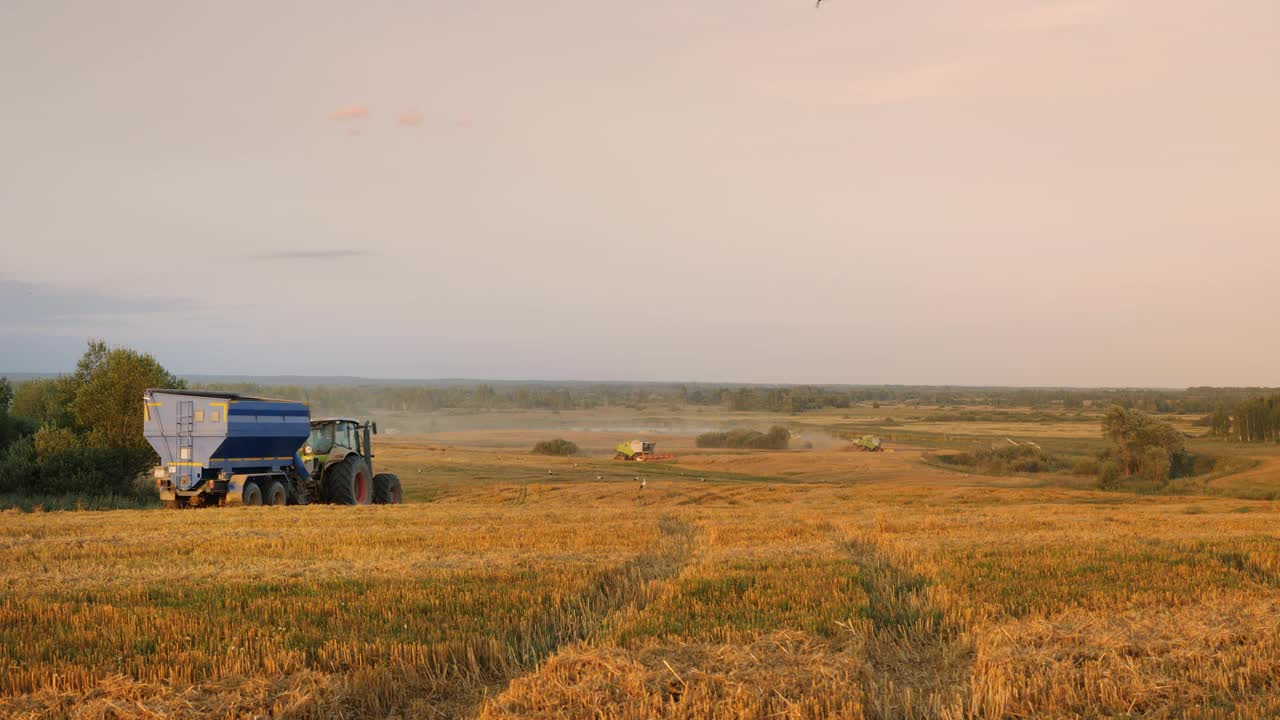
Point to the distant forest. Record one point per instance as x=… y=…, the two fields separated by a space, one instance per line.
x=361 y=398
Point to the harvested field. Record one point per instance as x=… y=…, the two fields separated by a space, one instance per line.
x=793 y=584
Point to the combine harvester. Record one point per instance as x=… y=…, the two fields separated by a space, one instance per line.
x=639 y=451
x=868 y=443
x=225 y=449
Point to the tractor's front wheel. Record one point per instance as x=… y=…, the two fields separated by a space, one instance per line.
x=386 y=489
x=349 y=483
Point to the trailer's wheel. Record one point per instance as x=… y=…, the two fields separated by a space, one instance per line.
x=386 y=489
x=177 y=503
x=276 y=494
x=348 y=482
x=252 y=494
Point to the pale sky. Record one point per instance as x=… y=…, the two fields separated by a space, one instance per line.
x=1015 y=192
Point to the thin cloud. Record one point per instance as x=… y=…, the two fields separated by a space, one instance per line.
x=350 y=112
x=1061 y=15
x=954 y=78
x=410 y=118
x=313 y=254
x=23 y=304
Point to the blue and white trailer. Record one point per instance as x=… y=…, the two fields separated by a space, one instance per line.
x=227 y=449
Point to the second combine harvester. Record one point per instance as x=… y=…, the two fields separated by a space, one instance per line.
x=226 y=449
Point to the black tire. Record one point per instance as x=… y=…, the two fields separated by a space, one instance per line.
x=348 y=482
x=276 y=494
x=386 y=489
x=252 y=494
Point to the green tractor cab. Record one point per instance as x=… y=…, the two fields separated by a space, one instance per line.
x=339 y=457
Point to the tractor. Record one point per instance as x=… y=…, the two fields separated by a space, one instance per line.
x=339 y=457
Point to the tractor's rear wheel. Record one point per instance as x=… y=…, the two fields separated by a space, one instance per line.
x=276 y=494
x=252 y=494
x=386 y=489
x=348 y=482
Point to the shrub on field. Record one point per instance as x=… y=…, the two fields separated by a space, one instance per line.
x=1086 y=466
x=13 y=428
x=53 y=440
x=18 y=466
x=1005 y=459
x=1109 y=478
x=26 y=469
x=559 y=446
x=778 y=438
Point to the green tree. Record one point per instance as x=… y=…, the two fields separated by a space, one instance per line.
x=6 y=393
x=108 y=394
x=1142 y=444
x=45 y=401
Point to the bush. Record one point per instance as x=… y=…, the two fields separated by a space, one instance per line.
x=1086 y=466
x=19 y=471
x=51 y=440
x=1109 y=478
x=1201 y=464
x=778 y=438
x=93 y=471
x=559 y=446
x=1006 y=459
x=13 y=428
x=86 y=471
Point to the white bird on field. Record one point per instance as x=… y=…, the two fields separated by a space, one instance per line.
x=599 y=477
x=643 y=483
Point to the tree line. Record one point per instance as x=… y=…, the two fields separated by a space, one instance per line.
x=366 y=398
x=1256 y=419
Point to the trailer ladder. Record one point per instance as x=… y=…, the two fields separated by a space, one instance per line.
x=186 y=470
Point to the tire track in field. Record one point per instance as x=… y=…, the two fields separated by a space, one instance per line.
x=633 y=584
x=920 y=660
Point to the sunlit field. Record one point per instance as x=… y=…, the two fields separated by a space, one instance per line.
x=807 y=583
